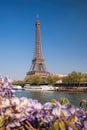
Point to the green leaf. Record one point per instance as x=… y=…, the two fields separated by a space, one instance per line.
x=62 y=115
x=53 y=101
x=62 y=125
x=72 y=118
x=56 y=125
x=71 y=125
x=64 y=101
x=41 y=123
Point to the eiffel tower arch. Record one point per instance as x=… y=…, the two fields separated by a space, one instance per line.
x=38 y=66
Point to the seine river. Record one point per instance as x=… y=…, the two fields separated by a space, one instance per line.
x=45 y=96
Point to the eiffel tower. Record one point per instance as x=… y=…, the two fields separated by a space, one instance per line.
x=38 y=66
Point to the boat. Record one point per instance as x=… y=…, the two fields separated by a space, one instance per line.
x=32 y=87
x=17 y=87
x=47 y=87
x=39 y=88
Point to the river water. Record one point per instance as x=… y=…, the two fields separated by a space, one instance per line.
x=46 y=96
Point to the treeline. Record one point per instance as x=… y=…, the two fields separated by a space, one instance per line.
x=73 y=77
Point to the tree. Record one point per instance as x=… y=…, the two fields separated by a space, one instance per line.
x=19 y=82
x=65 y=79
x=84 y=77
x=75 y=77
x=34 y=80
x=51 y=79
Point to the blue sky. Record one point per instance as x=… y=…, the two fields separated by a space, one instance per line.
x=63 y=35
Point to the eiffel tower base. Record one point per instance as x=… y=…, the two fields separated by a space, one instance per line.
x=43 y=75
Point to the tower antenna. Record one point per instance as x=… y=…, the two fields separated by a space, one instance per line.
x=37 y=16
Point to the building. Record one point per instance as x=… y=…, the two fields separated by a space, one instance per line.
x=38 y=66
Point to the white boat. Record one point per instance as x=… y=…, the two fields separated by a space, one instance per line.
x=17 y=87
x=39 y=88
x=30 y=87
x=47 y=87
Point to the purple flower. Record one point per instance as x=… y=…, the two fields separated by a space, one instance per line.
x=56 y=112
x=48 y=118
x=66 y=106
x=79 y=113
x=78 y=125
x=47 y=106
x=58 y=104
x=85 y=124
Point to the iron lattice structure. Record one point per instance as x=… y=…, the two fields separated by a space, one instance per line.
x=38 y=66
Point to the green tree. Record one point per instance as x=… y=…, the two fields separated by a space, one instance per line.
x=76 y=77
x=19 y=82
x=51 y=79
x=34 y=80
x=65 y=79
x=84 y=77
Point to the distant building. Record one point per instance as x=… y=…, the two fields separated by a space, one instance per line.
x=61 y=75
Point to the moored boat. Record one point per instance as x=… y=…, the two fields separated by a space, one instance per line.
x=39 y=88
x=17 y=87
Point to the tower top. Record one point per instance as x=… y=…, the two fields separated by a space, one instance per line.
x=37 y=17
x=38 y=51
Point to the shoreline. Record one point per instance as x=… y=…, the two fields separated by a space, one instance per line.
x=72 y=89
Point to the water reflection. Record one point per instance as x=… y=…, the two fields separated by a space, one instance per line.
x=45 y=96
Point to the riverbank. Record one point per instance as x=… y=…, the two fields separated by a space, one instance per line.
x=72 y=89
